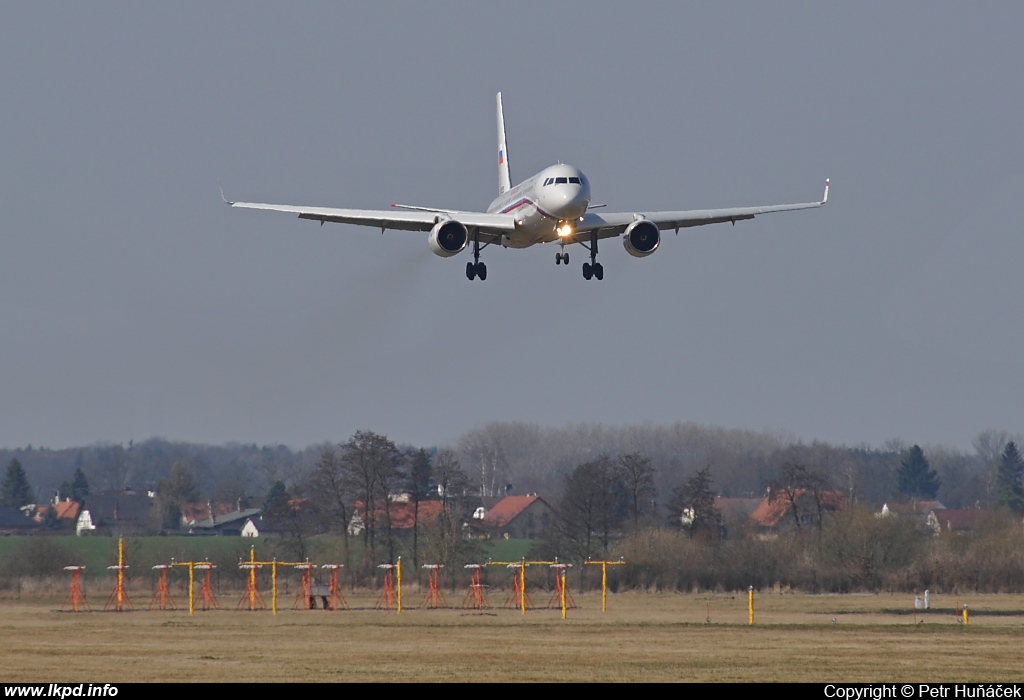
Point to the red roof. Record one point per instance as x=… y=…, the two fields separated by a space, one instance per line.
x=771 y=511
x=198 y=512
x=65 y=510
x=959 y=519
x=403 y=514
x=508 y=509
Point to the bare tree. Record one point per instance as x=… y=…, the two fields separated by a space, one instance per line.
x=795 y=481
x=590 y=505
x=371 y=462
x=637 y=476
x=418 y=483
x=486 y=452
x=989 y=444
x=328 y=487
x=180 y=487
x=114 y=465
x=443 y=537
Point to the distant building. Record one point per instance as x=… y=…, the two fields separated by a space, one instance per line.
x=955 y=520
x=230 y=524
x=66 y=512
x=403 y=515
x=118 y=513
x=14 y=522
x=192 y=513
x=783 y=512
x=915 y=508
x=517 y=517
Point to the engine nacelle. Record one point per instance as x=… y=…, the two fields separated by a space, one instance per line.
x=448 y=238
x=641 y=238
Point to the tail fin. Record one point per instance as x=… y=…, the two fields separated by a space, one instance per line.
x=504 y=181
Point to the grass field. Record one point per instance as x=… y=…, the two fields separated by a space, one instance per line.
x=642 y=637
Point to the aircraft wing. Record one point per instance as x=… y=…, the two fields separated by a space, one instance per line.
x=403 y=218
x=609 y=225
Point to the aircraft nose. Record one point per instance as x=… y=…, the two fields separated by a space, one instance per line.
x=567 y=201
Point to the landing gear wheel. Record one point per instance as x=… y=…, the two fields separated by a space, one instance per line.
x=470 y=271
x=565 y=258
x=587 y=271
x=558 y=258
x=481 y=271
x=599 y=271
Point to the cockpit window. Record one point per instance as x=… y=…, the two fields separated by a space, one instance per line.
x=548 y=181
x=575 y=180
x=561 y=181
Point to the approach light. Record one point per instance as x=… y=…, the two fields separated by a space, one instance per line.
x=565 y=230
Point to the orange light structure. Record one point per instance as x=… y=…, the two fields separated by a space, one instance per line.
x=560 y=597
x=76 y=597
x=162 y=599
x=476 y=596
x=118 y=601
x=335 y=599
x=207 y=598
x=432 y=597
x=304 y=596
x=387 y=600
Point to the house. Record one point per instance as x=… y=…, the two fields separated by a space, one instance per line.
x=14 y=522
x=66 y=512
x=801 y=508
x=403 y=514
x=517 y=517
x=911 y=508
x=120 y=512
x=954 y=520
x=230 y=524
x=192 y=513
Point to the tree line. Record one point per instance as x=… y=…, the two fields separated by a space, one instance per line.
x=614 y=492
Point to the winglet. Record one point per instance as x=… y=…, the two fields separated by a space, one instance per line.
x=824 y=197
x=225 y=199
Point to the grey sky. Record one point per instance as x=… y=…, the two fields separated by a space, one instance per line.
x=133 y=303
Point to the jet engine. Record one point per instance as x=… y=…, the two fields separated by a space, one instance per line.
x=448 y=238
x=641 y=238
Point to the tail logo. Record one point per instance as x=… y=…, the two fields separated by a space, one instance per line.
x=501 y=157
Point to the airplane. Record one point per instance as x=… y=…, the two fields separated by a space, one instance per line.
x=553 y=206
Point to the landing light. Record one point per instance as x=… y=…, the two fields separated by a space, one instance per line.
x=565 y=230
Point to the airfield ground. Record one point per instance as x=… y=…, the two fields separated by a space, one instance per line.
x=642 y=637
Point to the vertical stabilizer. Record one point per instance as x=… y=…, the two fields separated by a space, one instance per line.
x=504 y=181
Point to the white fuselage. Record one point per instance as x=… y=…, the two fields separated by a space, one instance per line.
x=543 y=205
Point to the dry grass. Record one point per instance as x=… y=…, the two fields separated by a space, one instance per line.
x=643 y=637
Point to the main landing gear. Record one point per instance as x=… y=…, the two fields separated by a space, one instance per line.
x=476 y=268
x=592 y=268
